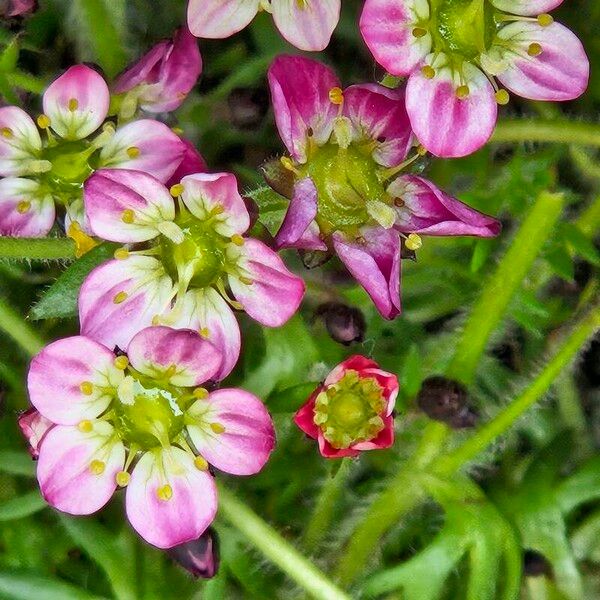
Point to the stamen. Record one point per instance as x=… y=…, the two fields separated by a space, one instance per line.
x=120 y=297
x=200 y=463
x=544 y=20
x=83 y=242
x=121 y=253
x=204 y=332
x=502 y=97
x=133 y=152
x=39 y=166
x=7 y=132
x=85 y=426
x=428 y=71
x=413 y=241
x=171 y=371
x=237 y=239
x=172 y=231
x=217 y=427
x=86 y=388
x=288 y=164
x=97 y=467
x=121 y=362
x=462 y=92
x=73 y=104
x=218 y=209
x=23 y=207
x=200 y=393
x=128 y=216
x=421 y=150
x=122 y=478
x=246 y=280
x=43 y=121
x=165 y=492
x=336 y=96
x=534 y=49
x=176 y=190
x=419 y=32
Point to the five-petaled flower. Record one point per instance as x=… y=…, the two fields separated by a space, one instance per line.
x=347 y=148
x=352 y=410
x=452 y=50
x=40 y=173
x=142 y=421
x=182 y=261
x=307 y=24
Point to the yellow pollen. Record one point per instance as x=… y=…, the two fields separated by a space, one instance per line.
x=428 y=71
x=7 y=132
x=545 y=19
x=86 y=388
x=122 y=478
x=165 y=492
x=419 y=32
x=237 y=239
x=133 y=152
x=156 y=320
x=83 y=242
x=121 y=253
x=121 y=362
x=502 y=97
x=85 y=426
x=534 y=49
x=462 y=92
x=120 y=297
x=43 y=121
x=246 y=280
x=287 y=163
x=200 y=393
x=97 y=467
x=336 y=96
x=176 y=190
x=200 y=464
x=421 y=150
x=23 y=207
x=127 y=216
x=413 y=241
x=204 y=332
x=73 y=104
x=217 y=427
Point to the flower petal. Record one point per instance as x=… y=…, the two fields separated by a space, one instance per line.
x=190 y=500
x=387 y=26
x=248 y=438
x=65 y=471
x=385 y=438
x=526 y=7
x=379 y=113
x=375 y=264
x=328 y=451
x=445 y=124
x=304 y=417
x=191 y=163
x=155 y=350
x=218 y=19
x=20 y=141
x=77 y=102
x=205 y=192
x=26 y=210
x=560 y=72
x=275 y=293
x=33 y=426
x=356 y=362
x=428 y=210
x=307 y=25
x=300 y=93
x=56 y=376
x=142 y=290
x=144 y=145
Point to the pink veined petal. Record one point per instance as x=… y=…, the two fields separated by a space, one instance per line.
x=446 y=125
x=218 y=19
x=155 y=350
x=375 y=264
x=192 y=498
x=26 y=210
x=356 y=362
x=248 y=438
x=526 y=7
x=304 y=417
x=34 y=426
x=379 y=114
x=20 y=141
x=191 y=163
x=561 y=72
x=306 y=25
x=57 y=372
x=300 y=93
x=144 y=71
x=427 y=210
x=203 y=192
x=387 y=26
x=145 y=145
x=64 y=468
x=77 y=102
x=110 y=192
x=205 y=310
x=147 y=292
x=275 y=293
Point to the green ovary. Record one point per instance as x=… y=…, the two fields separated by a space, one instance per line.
x=70 y=164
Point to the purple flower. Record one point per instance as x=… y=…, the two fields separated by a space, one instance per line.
x=306 y=25
x=192 y=253
x=143 y=423
x=17 y=8
x=347 y=149
x=452 y=51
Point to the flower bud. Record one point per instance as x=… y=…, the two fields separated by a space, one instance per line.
x=446 y=400
x=17 y=8
x=278 y=177
x=33 y=427
x=248 y=107
x=345 y=324
x=199 y=557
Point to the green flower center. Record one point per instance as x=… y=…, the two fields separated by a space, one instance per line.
x=70 y=164
x=350 y=411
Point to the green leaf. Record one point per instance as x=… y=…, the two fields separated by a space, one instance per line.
x=29 y=585
x=21 y=506
x=561 y=262
x=16 y=463
x=271 y=207
x=411 y=376
x=580 y=243
x=10 y=56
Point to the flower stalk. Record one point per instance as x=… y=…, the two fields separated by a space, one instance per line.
x=538 y=130
x=37 y=248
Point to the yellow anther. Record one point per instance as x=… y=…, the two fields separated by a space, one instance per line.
x=502 y=97
x=170 y=371
x=83 y=242
x=97 y=467
x=413 y=241
x=121 y=362
x=121 y=253
x=204 y=332
x=133 y=151
x=200 y=393
x=462 y=92
x=86 y=387
x=218 y=209
x=177 y=130
x=246 y=280
x=545 y=19
x=85 y=426
x=217 y=427
x=421 y=150
x=23 y=207
x=237 y=239
x=122 y=478
x=336 y=96
x=128 y=216
x=200 y=463
x=428 y=71
x=120 y=297
x=73 y=104
x=156 y=320
x=7 y=132
x=165 y=492
x=43 y=121
x=287 y=163
x=534 y=49
x=176 y=190
x=419 y=32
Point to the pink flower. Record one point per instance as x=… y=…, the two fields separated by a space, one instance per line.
x=192 y=253
x=34 y=427
x=352 y=410
x=17 y=8
x=452 y=51
x=161 y=80
x=347 y=149
x=306 y=25
x=143 y=423
x=40 y=172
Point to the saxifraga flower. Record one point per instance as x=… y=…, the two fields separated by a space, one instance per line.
x=143 y=422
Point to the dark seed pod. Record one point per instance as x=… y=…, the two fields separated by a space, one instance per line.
x=345 y=324
x=199 y=557
x=536 y=564
x=445 y=400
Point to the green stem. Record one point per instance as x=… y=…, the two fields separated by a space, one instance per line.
x=26 y=82
x=37 y=248
x=557 y=131
x=589 y=219
x=20 y=331
x=277 y=549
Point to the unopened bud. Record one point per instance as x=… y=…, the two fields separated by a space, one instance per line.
x=345 y=324
x=445 y=400
x=278 y=177
x=199 y=557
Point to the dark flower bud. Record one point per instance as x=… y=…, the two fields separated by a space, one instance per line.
x=248 y=107
x=312 y=259
x=536 y=564
x=282 y=180
x=446 y=400
x=199 y=557
x=345 y=324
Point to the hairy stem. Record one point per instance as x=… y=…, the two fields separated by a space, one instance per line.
x=552 y=130
x=13 y=324
x=37 y=248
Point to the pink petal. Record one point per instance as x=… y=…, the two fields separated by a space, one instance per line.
x=561 y=72
x=379 y=113
x=77 y=102
x=217 y=19
x=57 y=372
x=191 y=163
x=156 y=349
x=149 y=292
x=356 y=362
x=526 y=7
x=186 y=514
x=328 y=451
x=305 y=415
x=249 y=437
x=275 y=294
x=309 y=25
x=37 y=220
x=205 y=192
x=386 y=27
x=63 y=469
x=33 y=426
x=109 y=192
x=300 y=94
x=17 y=8
x=20 y=141
x=375 y=264
x=384 y=439
x=446 y=125
x=427 y=210
x=158 y=149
